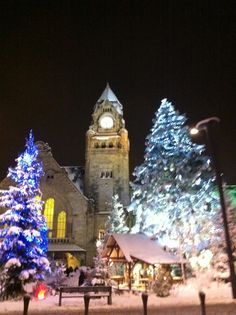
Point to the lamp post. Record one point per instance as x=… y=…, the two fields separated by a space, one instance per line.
x=206 y=126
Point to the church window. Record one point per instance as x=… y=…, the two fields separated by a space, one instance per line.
x=103 y=145
x=48 y=213
x=96 y=145
x=61 y=225
x=110 y=145
x=49 y=174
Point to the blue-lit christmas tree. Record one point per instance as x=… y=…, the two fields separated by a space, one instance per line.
x=23 y=244
x=173 y=191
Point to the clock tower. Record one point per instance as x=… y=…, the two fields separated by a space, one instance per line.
x=106 y=157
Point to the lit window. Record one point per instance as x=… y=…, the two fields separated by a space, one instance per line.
x=48 y=213
x=101 y=234
x=61 y=225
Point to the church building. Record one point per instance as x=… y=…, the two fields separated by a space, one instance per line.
x=77 y=200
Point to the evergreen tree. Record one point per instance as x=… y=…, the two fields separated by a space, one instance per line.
x=115 y=224
x=173 y=189
x=116 y=220
x=23 y=244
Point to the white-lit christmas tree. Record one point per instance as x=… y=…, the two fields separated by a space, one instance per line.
x=116 y=222
x=173 y=191
x=23 y=244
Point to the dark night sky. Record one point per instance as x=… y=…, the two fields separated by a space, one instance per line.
x=56 y=57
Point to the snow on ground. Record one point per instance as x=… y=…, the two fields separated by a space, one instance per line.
x=183 y=300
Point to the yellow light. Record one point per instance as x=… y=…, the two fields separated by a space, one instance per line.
x=41 y=294
x=194 y=131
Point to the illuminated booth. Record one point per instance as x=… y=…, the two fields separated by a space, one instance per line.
x=135 y=259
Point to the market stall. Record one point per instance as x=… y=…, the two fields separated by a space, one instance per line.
x=139 y=258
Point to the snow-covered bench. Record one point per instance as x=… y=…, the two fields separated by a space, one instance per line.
x=93 y=291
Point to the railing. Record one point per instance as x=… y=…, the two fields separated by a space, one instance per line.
x=55 y=240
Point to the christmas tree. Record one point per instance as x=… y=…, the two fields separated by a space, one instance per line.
x=116 y=222
x=23 y=237
x=173 y=191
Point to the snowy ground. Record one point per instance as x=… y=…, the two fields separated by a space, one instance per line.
x=183 y=300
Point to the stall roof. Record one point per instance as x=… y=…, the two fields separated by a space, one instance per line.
x=64 y=247
x=130 y=247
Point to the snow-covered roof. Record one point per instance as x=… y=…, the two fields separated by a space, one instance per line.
x=137 y=246
x=76 y=175
x=109 y=95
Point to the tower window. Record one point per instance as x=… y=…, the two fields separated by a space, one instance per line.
x=96 y=145
x=106 y=174
x=103 y=145
x=109 y=174
x=110 y=145
x=106 y=110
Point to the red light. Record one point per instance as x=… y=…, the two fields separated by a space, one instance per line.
x=41 y=291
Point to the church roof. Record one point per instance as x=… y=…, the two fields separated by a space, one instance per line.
x=137 y=247
x=109 y=95
x=76 y=175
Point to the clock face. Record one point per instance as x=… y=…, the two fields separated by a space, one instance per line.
x=106 y=122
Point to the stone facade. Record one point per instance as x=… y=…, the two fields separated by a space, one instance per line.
x=106 y=173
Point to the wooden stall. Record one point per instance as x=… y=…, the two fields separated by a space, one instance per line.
x=140 y=257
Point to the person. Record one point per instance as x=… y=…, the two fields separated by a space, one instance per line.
x=81 y=278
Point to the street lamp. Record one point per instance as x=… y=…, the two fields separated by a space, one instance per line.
x=206 y=126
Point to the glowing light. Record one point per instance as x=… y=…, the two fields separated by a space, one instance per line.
x=41 y=291
x=41 y=294
x=194 y=131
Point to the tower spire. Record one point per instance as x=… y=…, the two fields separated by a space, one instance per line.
x=109 y=95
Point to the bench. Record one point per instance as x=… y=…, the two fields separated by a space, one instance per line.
x=93 y=292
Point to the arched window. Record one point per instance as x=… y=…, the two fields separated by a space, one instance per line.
x=61 y=225
x=48 y=213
